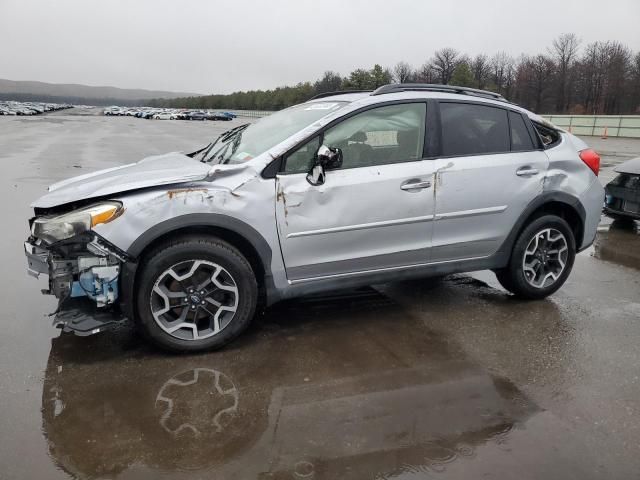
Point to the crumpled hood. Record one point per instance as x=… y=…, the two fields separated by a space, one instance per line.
x=170 y=168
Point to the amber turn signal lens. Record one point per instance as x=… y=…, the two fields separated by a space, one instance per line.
x=103 y=214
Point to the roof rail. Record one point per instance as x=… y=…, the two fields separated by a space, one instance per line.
x=339 y=92
x=430 y=87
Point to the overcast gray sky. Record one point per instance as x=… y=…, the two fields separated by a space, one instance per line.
x=212 y=46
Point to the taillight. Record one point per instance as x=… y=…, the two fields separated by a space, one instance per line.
x=591 y=159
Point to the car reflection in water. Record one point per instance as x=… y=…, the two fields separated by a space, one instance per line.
x=336 y=387
x=620 y=244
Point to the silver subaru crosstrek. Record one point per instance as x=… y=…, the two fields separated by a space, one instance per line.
x=347 y=189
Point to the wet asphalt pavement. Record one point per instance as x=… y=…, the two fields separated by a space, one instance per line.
x=442 y=379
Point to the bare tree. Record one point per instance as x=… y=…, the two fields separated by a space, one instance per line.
x=503 y=73
x=532 y=79
x=481 y=70
x=444 y=63
x=635 y=85
x=542 y=72
x=593 y=75
x=618 y=72
x=403 y=73
x=426 y=74
x=565 y=51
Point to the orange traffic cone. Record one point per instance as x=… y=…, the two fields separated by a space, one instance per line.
x=604 y=135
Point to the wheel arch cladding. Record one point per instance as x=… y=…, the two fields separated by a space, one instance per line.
x=567 y=212
x=560 y=204
x=239 y=234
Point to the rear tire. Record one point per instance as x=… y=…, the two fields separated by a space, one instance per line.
x=195 y=294
x=541 y=259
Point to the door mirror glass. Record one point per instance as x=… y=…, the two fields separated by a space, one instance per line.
x=316 y=175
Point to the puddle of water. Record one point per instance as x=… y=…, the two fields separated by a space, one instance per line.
x=343 y=387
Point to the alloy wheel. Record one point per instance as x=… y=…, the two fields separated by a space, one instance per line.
x=545 y=258
x=194 y=299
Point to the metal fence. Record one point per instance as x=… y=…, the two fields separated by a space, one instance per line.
x=598 y=125
x=250 y=113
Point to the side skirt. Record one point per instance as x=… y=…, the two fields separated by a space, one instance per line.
x=357 y=279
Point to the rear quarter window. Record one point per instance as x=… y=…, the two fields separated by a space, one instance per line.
x=549 y=136
x=520 y=139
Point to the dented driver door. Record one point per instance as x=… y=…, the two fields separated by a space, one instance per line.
x=375 y=213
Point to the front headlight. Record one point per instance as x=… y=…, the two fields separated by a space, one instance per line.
x=53 y=229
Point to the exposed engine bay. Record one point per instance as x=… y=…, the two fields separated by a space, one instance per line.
x=76 y=269
x=83 y=267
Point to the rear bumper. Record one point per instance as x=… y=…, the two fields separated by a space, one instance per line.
x=592 y=200
x=620 y=213
x=622 y=202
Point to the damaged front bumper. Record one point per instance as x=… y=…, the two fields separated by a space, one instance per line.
x=84 y=275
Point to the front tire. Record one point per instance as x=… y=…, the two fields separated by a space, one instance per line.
x=195 y=294
x=541 y=259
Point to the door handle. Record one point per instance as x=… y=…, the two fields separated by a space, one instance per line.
x=526 y=171
x=415 y=184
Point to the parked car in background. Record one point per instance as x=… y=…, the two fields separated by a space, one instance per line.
x=11 y=107
x=112 y=111
x=164 y=116
x=219 y=116
x=622 y=194
x=195 y=115
x=334 y=193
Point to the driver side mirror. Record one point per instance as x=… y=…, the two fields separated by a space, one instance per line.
x=326 y=158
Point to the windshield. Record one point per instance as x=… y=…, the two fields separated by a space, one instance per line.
x=244 y=144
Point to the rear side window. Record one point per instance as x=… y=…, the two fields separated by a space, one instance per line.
x=549 y=136
x=469 y=129
x=520 y=138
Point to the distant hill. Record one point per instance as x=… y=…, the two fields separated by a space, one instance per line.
x=80 y=94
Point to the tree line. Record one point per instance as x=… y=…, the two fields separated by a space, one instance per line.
x=602 y=77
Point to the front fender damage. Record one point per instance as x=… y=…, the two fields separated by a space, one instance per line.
x=89 y=275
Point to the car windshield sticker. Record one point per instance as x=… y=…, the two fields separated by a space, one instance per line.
x=322 y=106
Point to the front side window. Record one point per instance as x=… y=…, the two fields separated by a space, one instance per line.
x=470 y=129
x=301 y=160
x=379 y=136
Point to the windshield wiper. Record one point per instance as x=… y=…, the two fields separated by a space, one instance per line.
x=223 y=137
